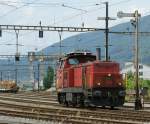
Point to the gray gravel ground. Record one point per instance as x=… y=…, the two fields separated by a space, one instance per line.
x=16 y=120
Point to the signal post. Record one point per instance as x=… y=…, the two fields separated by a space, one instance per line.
x=136 y=15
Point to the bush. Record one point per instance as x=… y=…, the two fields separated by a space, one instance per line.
x=49 y=78
x=131 y=83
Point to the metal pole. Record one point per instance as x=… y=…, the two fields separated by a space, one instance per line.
x=138 y=104
x=31 y=73
x=136 y=15
x=98 y=53
x=17 y=33
x=60 y=45
x=38 y=77
x=16 y=76
x=8 y=75
x=34 y=80
x=106 y=32
x=1 y=75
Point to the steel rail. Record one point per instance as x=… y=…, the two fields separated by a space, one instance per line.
x=62 y=118
x=102 y=114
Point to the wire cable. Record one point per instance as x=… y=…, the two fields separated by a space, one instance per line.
x=89 y=11
x=16 y=9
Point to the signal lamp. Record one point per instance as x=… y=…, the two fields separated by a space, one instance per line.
x=0 y=33
x=17 y=58
x=40 y=34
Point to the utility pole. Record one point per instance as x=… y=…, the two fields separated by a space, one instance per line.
x=60 y=43
x=34 y=79
x=17 y=33
x=17 y=55
x=31 y=57
x=136 y=15
x=38 y=76
x=107 y=18
x=106 y=33
x=16 y=75
x=1 y=75
x=138 y=103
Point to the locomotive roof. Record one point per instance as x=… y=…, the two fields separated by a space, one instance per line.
x=75 y=54
x=79 y=54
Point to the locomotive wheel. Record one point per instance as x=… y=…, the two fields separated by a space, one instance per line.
x=112 y=107
x=81 y=104
x=86 y=104
x=103 y=107
x=74 y=101
x=74 y=104
x=66 y=104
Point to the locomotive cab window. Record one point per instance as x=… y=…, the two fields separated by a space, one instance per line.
x=80 y=59
x=73 y=61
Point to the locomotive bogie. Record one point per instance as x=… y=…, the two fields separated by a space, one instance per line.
x=73 y=99
x=96 y=97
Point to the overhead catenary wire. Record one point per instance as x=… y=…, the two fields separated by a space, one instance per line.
x=72 y=16
x=7 y=4
x=16 y=9
x=30 y=3
x=49 y=3
x=110 y=5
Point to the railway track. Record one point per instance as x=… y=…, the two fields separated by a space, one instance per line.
x=34 y=106
x=23 y=104
x=48 y=98
x=62 y=118
x=63 y=115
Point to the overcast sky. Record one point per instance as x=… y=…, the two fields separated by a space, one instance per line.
x=57 y=13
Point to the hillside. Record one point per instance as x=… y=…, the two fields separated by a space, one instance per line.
x=121 y=46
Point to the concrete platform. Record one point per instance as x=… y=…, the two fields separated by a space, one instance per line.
x=146 y=106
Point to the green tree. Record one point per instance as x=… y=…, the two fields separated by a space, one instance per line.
x=49 y=78
x=145 y=83
x=130 y=80
x=130 y=75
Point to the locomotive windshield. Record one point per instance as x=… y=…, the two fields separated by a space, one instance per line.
x=81 y=59
x=73 y=61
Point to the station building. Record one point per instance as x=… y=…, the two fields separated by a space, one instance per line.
x=144 y=70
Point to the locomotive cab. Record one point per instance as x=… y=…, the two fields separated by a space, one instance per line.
x=79 y=58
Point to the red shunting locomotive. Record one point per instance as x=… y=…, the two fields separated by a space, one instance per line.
x=82 y=80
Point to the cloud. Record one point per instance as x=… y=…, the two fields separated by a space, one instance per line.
x=13 y=3
x=141 y=10
x=28 y=11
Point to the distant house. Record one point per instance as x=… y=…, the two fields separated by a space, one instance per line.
x=144 y=70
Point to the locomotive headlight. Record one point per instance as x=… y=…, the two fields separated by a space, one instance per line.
x=119 y=84
x=98 y=84
x=109 y=75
